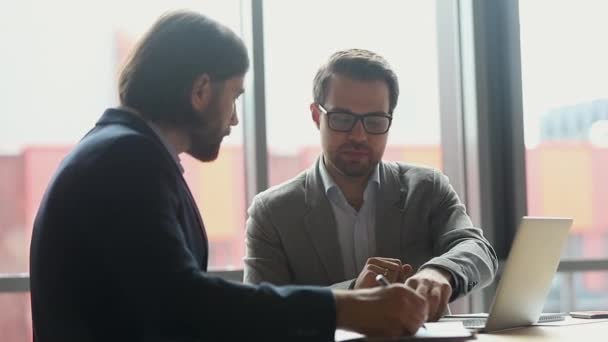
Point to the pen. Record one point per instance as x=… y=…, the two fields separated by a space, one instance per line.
x=380 y=279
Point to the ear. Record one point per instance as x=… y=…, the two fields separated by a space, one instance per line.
x=315 y=114
x=201 y=93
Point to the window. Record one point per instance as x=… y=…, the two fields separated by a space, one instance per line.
x=15 y=317
x=565 y=102
x=300 y=36
x=576 y=291
x=59 y=67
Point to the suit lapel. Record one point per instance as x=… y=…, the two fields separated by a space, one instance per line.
x=122 y=117
x=391 y=198
x=321 y=226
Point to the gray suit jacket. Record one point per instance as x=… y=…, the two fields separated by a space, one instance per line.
x=292 y=237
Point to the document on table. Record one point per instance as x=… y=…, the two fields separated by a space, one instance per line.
x=445 y=331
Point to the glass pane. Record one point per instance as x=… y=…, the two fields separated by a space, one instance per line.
x=578 y=291
x=565 y=101
x=59 y=67
x=306 y=33
x=15 y=317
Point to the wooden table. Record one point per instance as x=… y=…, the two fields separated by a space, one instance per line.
x=573 y=330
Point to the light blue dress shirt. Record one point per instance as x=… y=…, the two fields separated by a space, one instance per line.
x=356 y=234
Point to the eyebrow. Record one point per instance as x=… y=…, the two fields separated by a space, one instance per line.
x=340 y=109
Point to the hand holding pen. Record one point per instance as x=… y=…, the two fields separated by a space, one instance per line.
x=380 y=279
x=391 y=311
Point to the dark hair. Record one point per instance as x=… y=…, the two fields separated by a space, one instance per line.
x=358 y=64
x=158 y=77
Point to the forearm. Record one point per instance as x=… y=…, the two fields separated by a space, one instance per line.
x=344 y=285
x=461 y=248
x=257 y=271
x=470 y=263
x=265 y=312
x=179 y=299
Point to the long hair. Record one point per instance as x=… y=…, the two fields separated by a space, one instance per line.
x=158 y=76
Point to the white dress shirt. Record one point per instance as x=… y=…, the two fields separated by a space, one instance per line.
x=356 y=234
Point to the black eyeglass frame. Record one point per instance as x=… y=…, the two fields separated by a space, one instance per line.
x=357 y=118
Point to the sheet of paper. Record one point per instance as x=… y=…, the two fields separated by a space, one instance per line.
x=444 y=329
x=433 y=330
x=345 y=335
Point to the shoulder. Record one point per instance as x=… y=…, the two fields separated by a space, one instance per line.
x=412 y=173
x=120 y=140
x=115 y=159
x=107 y=170
x=285 y=196
x=118 y=147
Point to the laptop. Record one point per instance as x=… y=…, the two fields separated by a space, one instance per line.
x=527 y=276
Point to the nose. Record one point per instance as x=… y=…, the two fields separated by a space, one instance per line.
x=234 y=120
x=358 y=132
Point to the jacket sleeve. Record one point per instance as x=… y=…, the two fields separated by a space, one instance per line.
x=159 y=282
x=265 y=257
x=461 y=248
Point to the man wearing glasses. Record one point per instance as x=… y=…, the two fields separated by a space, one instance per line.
x=352 y=216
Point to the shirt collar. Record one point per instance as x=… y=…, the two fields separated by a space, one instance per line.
x=375 y=176
x=329 y=183
x=158 y=133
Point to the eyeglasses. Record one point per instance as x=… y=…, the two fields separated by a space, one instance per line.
x=343 y=121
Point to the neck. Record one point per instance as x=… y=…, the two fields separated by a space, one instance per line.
x=352 y=187
x=170 y=134
x=173 y=136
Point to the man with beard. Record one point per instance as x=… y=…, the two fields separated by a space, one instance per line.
x=351 y=216
x=119 y=251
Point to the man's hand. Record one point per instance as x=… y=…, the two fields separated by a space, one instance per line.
x=392 y=269
x=434 y=285
x=390 y=311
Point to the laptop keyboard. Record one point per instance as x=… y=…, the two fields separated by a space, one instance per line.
x=551 y=317
x=477 y=323
x=472 y=323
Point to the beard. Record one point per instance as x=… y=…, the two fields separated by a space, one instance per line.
x=202 y=149
x=206 y=133
x=352 y=166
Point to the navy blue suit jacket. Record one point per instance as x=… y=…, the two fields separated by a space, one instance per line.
x=119 y=252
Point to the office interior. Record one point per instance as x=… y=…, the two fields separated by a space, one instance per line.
x=507 y=98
